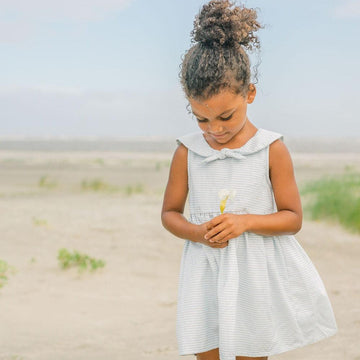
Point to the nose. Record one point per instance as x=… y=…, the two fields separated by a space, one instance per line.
x=215 y=127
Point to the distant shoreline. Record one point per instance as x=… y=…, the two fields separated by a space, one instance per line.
x=161 y=144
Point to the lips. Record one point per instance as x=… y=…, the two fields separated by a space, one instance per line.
x=218 y=135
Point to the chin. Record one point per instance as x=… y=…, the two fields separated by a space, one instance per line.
x=223 y=140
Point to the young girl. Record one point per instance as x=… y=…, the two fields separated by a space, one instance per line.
x=247 y=289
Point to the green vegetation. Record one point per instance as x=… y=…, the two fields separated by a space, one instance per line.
x=5 y=268
x=99 y=161
x=46 y=182
x=99 y=185
x=162 y=164
x=39 y=222
x=82 y=261
x=335 y=198
x=134 y=189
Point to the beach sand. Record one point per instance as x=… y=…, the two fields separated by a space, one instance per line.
x=127 y=310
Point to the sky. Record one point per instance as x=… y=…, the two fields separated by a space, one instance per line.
x=109 y=68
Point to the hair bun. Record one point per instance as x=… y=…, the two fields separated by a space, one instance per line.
x=220 y=25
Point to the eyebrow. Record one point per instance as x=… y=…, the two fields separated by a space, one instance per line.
x=218 y=115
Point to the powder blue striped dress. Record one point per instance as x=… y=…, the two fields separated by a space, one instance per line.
x=260 y=295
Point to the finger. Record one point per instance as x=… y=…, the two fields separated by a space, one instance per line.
x=214 y=231
x=216 y=221
x=209 y=226
x=220 y=234
x=220 y=245
x=221 y=237
x=226 y=238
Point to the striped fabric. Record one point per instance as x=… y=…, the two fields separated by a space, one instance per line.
x=260 y=295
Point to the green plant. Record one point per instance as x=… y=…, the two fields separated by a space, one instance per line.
x=99 y=161
x=162 y=164
x=334 y=198
x=82 y=261
x=45 y=182
x=134 y=189
x=39 y=222
x=97 y=185
x=5 y=268
x=348 y=167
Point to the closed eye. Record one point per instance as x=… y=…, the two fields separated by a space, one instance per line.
x=223 y=119
x=228 y=118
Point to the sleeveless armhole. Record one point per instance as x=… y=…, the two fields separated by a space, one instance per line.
x=268 y=162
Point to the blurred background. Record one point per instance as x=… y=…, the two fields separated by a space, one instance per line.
x=90 y=107
x=110 y=67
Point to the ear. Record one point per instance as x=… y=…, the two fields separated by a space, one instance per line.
x=251 y=94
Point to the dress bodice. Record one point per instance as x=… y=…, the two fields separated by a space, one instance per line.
x=244 y=169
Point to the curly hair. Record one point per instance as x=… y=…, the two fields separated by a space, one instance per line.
x=218 y=59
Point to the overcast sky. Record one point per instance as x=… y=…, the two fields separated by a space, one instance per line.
x=110 y=67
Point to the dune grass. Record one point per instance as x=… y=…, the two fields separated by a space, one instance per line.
x=159 y=165
x=46 y=182
x=134 y=189
x=98 y=185
x=77 y=259
x=334 y=198
x=99 y=161
x=5 y=269
x=39 y=222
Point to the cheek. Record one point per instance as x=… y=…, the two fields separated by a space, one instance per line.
x=202 y=126
x=242 y=114
x=232 y=125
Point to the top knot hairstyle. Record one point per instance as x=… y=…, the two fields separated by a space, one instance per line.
x=218 y=59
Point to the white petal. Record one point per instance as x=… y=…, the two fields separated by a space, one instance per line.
x=232 y=194
x=223 y=193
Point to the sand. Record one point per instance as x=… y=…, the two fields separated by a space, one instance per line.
x=127 y=309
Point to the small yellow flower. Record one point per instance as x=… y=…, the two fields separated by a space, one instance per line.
x=224 y=195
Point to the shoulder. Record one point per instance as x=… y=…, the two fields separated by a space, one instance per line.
x=180 y=152
x=279 y=156
x=179 y=160
x=278 y=147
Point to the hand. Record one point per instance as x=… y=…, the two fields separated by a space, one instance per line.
x=203 y=229
x=224 y=227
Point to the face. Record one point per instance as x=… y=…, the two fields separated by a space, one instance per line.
x=223 y=116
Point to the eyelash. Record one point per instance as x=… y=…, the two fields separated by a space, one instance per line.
x=223 y=119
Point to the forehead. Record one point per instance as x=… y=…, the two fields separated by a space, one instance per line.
x=216 y=104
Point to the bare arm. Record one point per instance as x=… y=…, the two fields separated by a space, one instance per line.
x=288 y=219
x=174 y=200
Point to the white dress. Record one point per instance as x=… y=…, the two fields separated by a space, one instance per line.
x=260 y=295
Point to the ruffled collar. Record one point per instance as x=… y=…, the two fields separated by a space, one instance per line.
x=196 y=142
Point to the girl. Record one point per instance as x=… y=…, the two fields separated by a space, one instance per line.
x=247 y=289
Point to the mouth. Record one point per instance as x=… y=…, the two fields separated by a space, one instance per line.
x=218 y=136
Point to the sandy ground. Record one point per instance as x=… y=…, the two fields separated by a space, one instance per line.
x=127 y=309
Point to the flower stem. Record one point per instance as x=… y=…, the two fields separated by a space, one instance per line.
x=223 y=204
